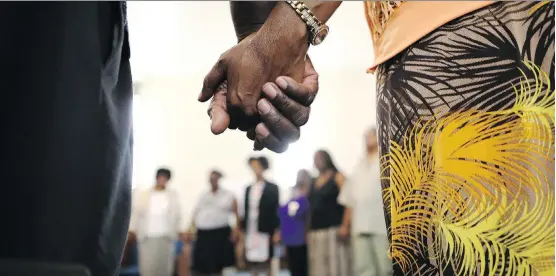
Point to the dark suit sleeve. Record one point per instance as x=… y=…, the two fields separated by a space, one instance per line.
x=245 y=212
x=276 y=203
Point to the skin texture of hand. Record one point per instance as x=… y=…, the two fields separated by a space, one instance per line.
x=249 y=16
x=277 y=49
x=283 y=110
x=273 y=41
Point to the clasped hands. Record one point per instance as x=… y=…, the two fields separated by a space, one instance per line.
x=264 y=86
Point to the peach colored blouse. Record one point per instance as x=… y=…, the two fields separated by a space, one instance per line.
x=395 y=25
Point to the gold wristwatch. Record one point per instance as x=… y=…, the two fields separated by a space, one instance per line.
x=317 y=30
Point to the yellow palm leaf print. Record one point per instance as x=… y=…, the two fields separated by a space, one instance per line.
x=538 y=6
x=475 y=188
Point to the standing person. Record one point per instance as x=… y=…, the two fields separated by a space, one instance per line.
x=261 y=223
x=362 y=198
x=465 y=108
x=329 y=251
x=294 y=219
x=156 y=224
x=214 y=242
x=466 y=134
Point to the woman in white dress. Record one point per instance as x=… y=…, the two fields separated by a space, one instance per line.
x=261 y=223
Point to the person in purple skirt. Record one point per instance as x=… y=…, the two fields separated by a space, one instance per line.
x=294 y=217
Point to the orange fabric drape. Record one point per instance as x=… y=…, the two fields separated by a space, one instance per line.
x=406 y=22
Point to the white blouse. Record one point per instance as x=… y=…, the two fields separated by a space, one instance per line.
x=158 y=215
x=214 y=209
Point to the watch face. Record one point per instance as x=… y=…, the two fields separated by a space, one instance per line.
x=320 y=35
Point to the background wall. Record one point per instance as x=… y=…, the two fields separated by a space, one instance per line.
x=174 y=44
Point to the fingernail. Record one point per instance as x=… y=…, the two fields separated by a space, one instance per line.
x=263 y=106
x=257 y=146
x=270 y=91
x=282 y=83
x=261 y=130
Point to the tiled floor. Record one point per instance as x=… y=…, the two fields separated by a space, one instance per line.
x=282 y=273
x=233 y=272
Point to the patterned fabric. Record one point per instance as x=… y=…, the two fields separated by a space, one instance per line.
x=328 y=256
x=378 y=13
x=466 y=127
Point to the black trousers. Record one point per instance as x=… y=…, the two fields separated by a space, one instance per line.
x=297 y=260
x=66 y=131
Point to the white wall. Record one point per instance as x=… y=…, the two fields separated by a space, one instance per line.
x=175 y=43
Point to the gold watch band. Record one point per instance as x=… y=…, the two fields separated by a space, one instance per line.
x=317 y=29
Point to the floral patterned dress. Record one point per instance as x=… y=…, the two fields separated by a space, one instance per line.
x=466 y=129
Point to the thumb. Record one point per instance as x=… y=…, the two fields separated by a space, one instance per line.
x=220 y=119
x=213 y=79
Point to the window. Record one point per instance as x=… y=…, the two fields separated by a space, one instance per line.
x=144 y=143
x=299 y=156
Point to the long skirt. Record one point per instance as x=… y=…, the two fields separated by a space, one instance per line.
x=157 y=256
x=213 y=251
x=328 y=255
x=466 y=130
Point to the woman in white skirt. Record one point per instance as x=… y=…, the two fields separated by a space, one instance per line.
x=261 y=223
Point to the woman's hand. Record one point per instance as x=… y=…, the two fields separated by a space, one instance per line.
x=343 y=232
x=276 y=237
x=186 y=237
x=235 y=235
x=279 y=123
x=284 y=109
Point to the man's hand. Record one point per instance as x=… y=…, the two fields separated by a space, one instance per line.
x=277 y=49
x=283 y=111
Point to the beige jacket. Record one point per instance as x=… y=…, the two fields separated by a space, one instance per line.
x=412 y=20
x=140 y=207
